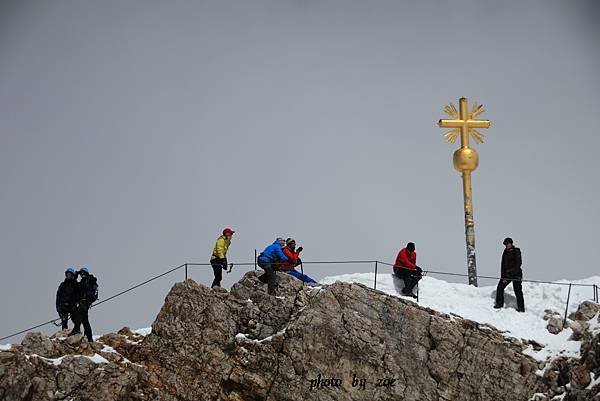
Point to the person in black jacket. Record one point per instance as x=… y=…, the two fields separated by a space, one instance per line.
x=510 y=269
x=87 y=293
x=66 y=297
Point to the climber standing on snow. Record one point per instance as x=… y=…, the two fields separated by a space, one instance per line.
x=270 y=261
x=218 y=260
x=66 y=297
x=510 y=270
x=406 y=269
x=293 y=255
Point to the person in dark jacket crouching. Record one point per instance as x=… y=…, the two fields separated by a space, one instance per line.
x=510 y=270
x=66 y=297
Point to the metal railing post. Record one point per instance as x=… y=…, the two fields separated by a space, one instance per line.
x=186 y=276
x=567 y=308
x=375 y=283
x=255 y=259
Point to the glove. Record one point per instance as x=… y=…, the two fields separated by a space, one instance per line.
x=300 y=249
x=224 y=263
x=419 y=270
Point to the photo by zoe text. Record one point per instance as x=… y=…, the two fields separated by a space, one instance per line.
x=359 y=383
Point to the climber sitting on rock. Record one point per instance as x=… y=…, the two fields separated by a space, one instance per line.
x=293 y=255
x=407 y=270
x=270 y=260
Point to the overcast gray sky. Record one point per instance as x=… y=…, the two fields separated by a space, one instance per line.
x=132 y=133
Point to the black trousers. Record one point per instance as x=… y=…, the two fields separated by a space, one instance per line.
x=269 y=276
x=79 y=317
x=64 y=320
x=517 y=286
x=217 y=267
x=410 y=277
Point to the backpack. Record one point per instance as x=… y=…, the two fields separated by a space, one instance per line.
x=91 y=290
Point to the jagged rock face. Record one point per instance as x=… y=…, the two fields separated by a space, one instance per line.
x=340 y=342
x=69 y=369
x=571 y=379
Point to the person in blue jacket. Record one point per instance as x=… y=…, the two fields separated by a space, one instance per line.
x=269 y=260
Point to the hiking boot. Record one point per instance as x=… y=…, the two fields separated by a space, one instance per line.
x=272 y=292
x=74 y=332
x=521 y=310
x=498 y=306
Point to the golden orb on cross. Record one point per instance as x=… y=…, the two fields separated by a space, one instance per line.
x=465 y=160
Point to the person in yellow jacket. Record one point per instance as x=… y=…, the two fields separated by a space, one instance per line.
x=218 y=260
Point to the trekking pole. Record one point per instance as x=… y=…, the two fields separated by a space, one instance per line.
x=255 y=259
x=567 y=308
x=301 y=271
x=186 y=276
x=375 y=283
x=230 y=267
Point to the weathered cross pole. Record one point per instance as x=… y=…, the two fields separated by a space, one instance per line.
x=466 y=160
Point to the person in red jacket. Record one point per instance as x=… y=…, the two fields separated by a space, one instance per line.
x=406 y=269
x=293 y=255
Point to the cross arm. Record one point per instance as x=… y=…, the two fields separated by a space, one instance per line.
x=461 y=123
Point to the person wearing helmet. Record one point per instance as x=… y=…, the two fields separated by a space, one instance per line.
x=270 y=261
x=407 y=270
x=87 y=293
x=218 y=260
x=66 y=297
x=293 y=255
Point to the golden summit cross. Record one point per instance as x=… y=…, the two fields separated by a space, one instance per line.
x=465 y=161
x=464 y=123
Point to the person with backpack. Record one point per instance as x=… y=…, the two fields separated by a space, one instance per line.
x=407 y=270
x=66 y=297
x=293 y=255
x=218 y=260
x=270 y=260
x=87 y=293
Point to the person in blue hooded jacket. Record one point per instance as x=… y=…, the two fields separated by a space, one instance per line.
x=269 y=260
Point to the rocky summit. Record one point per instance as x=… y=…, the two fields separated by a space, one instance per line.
x=337 y=342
